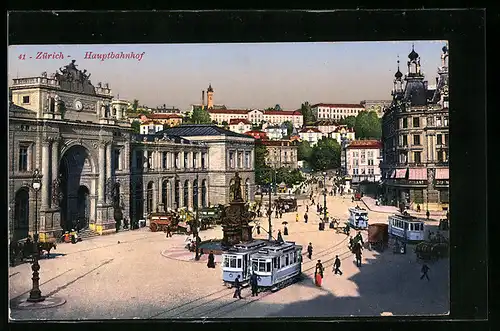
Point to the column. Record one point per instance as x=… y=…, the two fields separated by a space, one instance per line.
x=45 y=174
x=109 y=157
x=55 y=160
x=181 y=194
x=102 y=174
x=155 y=197
x=160 y=193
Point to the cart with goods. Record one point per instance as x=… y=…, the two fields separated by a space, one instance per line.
x=161 y=221
x=428 y=251
x=378 y=236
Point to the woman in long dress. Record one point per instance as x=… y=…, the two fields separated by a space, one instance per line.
x=318 y=274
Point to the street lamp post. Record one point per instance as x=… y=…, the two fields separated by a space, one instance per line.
x=324 y=196
x=35 y=293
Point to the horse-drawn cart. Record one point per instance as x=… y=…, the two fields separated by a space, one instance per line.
x=378 y=236
x=429 y=251
x=160 y=221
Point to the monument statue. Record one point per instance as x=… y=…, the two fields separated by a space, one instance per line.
x=236 y=188
x=73 y=79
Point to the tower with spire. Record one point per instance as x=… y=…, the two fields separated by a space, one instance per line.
x=210 y=97
x=398 y=83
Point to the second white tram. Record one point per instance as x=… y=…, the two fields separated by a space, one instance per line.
x=406 y=227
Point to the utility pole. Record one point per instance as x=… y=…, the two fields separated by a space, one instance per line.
x=324 y=195
x=269 y=213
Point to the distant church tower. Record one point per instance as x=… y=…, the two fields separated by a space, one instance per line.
x=210 y=97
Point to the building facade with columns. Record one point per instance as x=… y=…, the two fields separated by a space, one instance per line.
x=92 y=164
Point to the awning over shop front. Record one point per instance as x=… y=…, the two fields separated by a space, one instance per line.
x=443 y=174
x=400 y=173
x=418 y=174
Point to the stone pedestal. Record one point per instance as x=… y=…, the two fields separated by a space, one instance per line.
x=105 y=223
x=50 y=226
x=235 y=224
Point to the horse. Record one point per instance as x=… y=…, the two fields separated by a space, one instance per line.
x=46 y=246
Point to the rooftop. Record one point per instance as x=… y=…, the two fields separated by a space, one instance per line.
x=376 y=144
x=192 y=130
x=339 y=105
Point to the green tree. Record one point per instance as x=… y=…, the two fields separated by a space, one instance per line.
x=225 y=124
x=262 y=171
x=289 y=176
x=289 y=128
x=304 y=151
x=326 y=154
x=136 y=126
x=368 y=126
x=135 y=106
x=307 y=114
x=350 y=121
x=200 y=116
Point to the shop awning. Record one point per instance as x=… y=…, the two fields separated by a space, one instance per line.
x=417 y=174
x=400 y=173
x=443 y=173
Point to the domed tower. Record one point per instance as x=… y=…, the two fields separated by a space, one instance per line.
x=414 y=63
x=444 y=58
x=210 y=97
x=398 y=83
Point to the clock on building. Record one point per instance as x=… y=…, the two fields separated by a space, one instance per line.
x=78 y=105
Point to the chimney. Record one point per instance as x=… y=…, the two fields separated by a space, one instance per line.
x=203 y=98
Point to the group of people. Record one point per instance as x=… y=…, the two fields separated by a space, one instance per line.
x=319 y=270
x=254 y=285
x=71 y=237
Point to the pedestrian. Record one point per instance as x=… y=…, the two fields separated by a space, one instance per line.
x=281 y=213
x=169 y=232
x=237 y=286
x=211 y=260
x=336 y=265
x=428 y=214
x=359 y=238
x=280 y=237
x=285 y=231
x=425 y=269
x=309 y=251
x=276 y=212
x=351 y=243
x=254 y=284
x=313 y=203
x=296 y=217
x=307 y=208
x=318 y=273
x=306 y=217
x=418 y=208
x=358 y=255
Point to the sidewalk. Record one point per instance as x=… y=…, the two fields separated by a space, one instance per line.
x=370 y=205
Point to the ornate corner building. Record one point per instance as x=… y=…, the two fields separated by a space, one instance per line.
x=415 y=168
x=92 y=164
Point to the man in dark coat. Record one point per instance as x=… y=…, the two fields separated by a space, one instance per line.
x=237 y=286
x=309 y=251
x=428 y=214
x=169 y=232
x=254 y=284
x=336 y=265
x=306 y=217
x=280 y=237
x=211 y=260
x=425 y=269
x=285 y=231
x=359 y=238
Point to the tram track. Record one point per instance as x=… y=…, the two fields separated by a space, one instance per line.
x=227 y=291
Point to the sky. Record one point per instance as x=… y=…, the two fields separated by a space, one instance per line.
x=245 y=76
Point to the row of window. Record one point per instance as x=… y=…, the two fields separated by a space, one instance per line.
x=239 y=160
x=409 y=226
x=340 y=111
x=441 y=139
x=437 y=120
x=357 y=162
x=371 y=171
x=166 y=160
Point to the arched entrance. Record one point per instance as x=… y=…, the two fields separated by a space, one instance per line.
x=83 y=207
x=21 y=214
x=76 y=171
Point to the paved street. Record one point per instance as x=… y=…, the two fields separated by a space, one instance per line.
x=140 y=274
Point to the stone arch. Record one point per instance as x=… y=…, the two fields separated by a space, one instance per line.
x=68 y=144
x=21 y=213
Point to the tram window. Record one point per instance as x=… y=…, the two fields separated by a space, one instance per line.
x=411 y=227
x=287 y=259
x=239 y=263
x=294 y=257
x=254 y=265
x=232 y=262
x=262 y=266
x=268 y=266
x=282 y=258
x=275 y=264
x=226 y=262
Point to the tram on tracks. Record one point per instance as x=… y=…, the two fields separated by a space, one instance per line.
x=277 y=265
x=236 y=262
x=358 y=218
x=406 y=228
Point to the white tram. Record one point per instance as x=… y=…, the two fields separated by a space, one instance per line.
x=358 y=218
x=236 y=261
x=406 y=227
x=277 y=265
